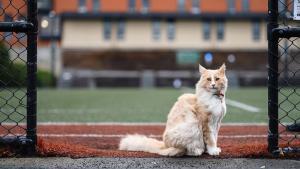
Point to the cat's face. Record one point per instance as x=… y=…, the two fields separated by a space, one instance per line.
x=213 y=80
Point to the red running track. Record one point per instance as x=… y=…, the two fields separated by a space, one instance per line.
x=102 y=140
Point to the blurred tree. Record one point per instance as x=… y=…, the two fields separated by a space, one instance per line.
x=4 y=55
x=15 y=74
x=11 y=74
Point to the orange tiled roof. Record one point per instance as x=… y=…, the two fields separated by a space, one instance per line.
x=161 y=6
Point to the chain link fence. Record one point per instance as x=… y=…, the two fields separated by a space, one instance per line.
x=17 y=72
x=284 y=78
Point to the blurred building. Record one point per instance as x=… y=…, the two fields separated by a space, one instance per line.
x=155 y=35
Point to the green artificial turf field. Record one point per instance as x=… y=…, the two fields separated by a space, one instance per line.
x=133 y=105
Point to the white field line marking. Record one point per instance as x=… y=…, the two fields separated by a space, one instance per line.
x=121 y=124
x=243 y=106
x=74 y=111
x=229 y=102
x=232 y=103
x=103 y=123
x=60 y=110
x=152 y=136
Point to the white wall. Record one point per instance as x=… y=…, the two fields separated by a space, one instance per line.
x=138 y=35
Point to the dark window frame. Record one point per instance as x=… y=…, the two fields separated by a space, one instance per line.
x=171 y=30
x=282 y=6
x=96 y=5
x=82 y=5
x=231 y=6
x=44 y=6
x=131 y=5
x=145 y=6
x=195 y=6
x=121 y=29
x=206 y=30
x=220 y=25
x=245 y=5
x=181 y=6
x=45 y=33
x=107 y=29
x=156 y=30
x=256 y=33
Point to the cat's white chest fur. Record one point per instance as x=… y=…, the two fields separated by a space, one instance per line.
x=215 y=105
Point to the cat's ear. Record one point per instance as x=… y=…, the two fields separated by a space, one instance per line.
x=201 y=69
x=222 y=68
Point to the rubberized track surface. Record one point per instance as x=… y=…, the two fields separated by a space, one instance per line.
x=102 y=140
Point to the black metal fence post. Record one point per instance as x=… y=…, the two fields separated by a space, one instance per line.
x=272 y=76
x=18 y=68
x=283 y=77
x=31 y=74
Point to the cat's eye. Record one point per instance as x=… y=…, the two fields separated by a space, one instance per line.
x=217 y=78
x=209 y=79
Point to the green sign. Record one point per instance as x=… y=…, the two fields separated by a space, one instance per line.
x=187 y=57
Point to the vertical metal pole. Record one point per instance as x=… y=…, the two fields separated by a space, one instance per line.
x=272 y=76
x=31 y=74
x=53 y=47
x=53 y=62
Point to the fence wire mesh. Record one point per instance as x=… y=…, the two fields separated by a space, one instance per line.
x=288 y=80
x=13 y=71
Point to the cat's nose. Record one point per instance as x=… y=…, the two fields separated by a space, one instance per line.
x=213 y=85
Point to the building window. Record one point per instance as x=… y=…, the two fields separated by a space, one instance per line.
x=96 y=5
x=256 y=30
x=195 y=6
x=206 y=30
x=121 y=30
x=156 y=30
x=107 y=30
x=44 y=5
x=82 y=6
x=49 y=26
x=171 y=30
x=145 y=6
x=8 y=35
x=220 y=30
x=281 y=6
x=131 y=5
x=245 y=5
x=181 y=5
x=231 y=6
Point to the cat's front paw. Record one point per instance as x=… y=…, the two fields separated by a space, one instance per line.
x=214 y=151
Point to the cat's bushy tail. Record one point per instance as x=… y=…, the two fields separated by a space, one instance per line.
x=143 y=143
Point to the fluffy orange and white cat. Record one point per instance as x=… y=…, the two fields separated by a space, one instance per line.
x=193 y=122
